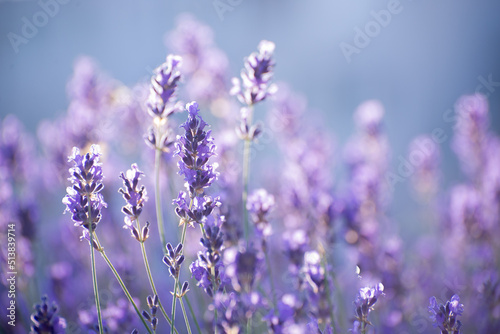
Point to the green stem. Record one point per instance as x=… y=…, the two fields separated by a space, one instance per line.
x=185 y=316
x=150 y=276
x=273 y=290
x=159 y=213
x=246 y=173
x=176 y=283
x=94 y=274
x=328 y=294
x=192 y=314
x=124 y=288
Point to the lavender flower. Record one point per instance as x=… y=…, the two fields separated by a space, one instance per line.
x=256 y=76
x=259 y=204
x=84 y=200
x=135 y=199
x=153 y=305
x=46 y=320
x=161 y=103
x=364 y=303
x=296 y=244
x=445 y=317
x=174 y=259
x=317 y=285
x=163 y=88
x=210 y=258
x=195 y=148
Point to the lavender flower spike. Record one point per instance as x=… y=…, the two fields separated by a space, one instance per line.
x=256 y=76
x=135 y=199
x=445 y=316
x=364 y=303
x=46 y=320
x=84 y=196
x=195 y=148
x=259 y=204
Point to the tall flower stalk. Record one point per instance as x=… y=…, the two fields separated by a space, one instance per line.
x=84 y=201
x=255 y=86
x=135 y=198
x=194 y=149
x=160 y=105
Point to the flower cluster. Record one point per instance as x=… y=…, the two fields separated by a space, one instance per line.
x=84 y=199
x=364 y=303
x=135 y=198
x=208 y=268
x=174 y=259
x=162 y=103
x=259 y=204
x=46 y=320
x=195 y=148
x=445 y=317
x=255 y=84
x=318 y=285
x=153 y=307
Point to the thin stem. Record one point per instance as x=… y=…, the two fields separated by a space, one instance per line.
x=246 y=173
x=273 y=290
x=150 y=276
x=185 y=316
x=192 y=314
x=94 y=274
x=159 y=212
x=212 y=272
x=246 y=167
x=176 y=283
x=124 y=288
x=328 y=294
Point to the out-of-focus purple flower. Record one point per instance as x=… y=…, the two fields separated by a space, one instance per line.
x=210 y=258
x=195 y=148
x=318 y=286
x=296 y=244
x=255 y=81
x=84 y=199
x=282 y=321
x=118 y=317
x=46 y=320
x=424 y=155
x=135 y=198
x=259 y=204
x=471 y=132
x=364 y=303
x=445 y=317
x=204 y=65
x=286 y=112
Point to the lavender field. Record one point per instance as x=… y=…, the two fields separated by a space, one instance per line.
x=213 y=198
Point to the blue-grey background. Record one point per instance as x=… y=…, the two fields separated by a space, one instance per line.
x=432 y=52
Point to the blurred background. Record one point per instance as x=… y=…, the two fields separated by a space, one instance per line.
x=418 y=63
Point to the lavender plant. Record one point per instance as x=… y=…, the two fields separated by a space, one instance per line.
x=326 y=219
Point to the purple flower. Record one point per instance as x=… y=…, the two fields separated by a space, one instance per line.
x=424 y=154
x=46 y=320
x=195 y=148
x=364 y=303
x=84 y=200
x=471 y=132
x=296 y=244
x=259 y=204
x=210 y=258
x=135 y=198
x=317 y=285
x=445 y=317
x=162 y=103
x=255 y=83
x=163 y=88
x=174 y=259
